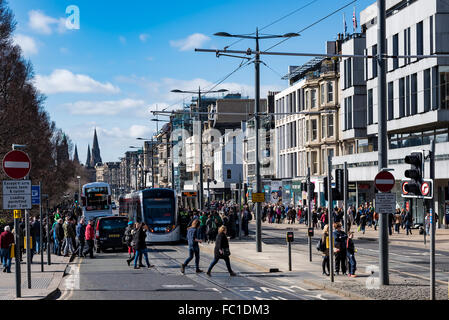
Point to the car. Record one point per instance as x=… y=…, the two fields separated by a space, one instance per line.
x=109 y=232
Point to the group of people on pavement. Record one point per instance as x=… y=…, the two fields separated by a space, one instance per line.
x=344 y=251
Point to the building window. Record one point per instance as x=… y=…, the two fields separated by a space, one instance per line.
x=330 y=125
x=307 y=100
x=390 y=114
x=427 y=100
x=395 y=51
x=314 y=156
x=314 y=130
x=228 y=174
x=444 y=85
x=313 y=98
x=419 y=39
x=370 y=106
x=323 y=127
x=407 y=96
x=435 y=88
x=349 y=72
x=307 y=130
x=330 y=92
x=414 y=94
x=322 y=94
x=401 y=97
x=349 y=113
x=431 y=34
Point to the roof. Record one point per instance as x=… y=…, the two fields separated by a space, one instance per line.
x=300 y=72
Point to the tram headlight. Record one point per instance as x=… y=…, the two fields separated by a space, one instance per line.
x=170 y=228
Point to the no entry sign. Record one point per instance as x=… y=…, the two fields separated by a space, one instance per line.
x=384 y=181
x=16 y=164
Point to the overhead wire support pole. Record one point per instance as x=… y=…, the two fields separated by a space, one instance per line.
x=382 y=135
x=432 y=222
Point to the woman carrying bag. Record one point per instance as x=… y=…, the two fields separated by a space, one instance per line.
x=221 y=251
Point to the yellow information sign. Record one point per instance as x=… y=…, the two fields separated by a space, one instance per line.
x=258 y=197
x=17 y=214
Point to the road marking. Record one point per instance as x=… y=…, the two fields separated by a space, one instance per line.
x=178 y=286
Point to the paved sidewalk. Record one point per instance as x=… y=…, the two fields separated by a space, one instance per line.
x=43 y=284
x=415 y=239
x=275 y=257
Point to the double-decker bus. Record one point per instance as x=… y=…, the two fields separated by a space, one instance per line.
x=96 y=200
x=156 y=207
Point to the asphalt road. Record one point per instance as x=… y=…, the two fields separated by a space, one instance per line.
x=108 y=277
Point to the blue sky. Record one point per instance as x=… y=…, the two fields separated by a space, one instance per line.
x=127 y=56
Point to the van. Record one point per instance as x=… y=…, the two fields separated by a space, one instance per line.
x=109 y=232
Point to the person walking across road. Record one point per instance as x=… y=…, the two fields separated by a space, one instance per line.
x=141 y=246
x=221 y=251
x=194 y=249
x=6 y=242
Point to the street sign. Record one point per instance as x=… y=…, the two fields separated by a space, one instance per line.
x=258 y=197
x=385 y=202
x=16 y=164
x=17 y=214
x=16 y=194
x=35 y=195
x=426 y=189
x=384 y=181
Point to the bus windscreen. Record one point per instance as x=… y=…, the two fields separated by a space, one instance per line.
x=158 y=211
x=97 y=198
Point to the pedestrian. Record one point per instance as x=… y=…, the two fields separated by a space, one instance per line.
x=141 y=245
x=69 y=235
x=203 y=227
x=363 y=218
x=211 y=228
x=221 y=251
x=128 y=239
x=245 y=220
x=6 y=242
x=89 y=236
x=398 y=221
x=194 y=249
x=35 y=234
x=408 y=222
x=80 y=237
x=324 y=248
x=350 y=251
x=340 y=238
x=58 y=236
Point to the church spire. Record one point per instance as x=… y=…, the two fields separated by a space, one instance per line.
x=88 y=157
x=96 y=157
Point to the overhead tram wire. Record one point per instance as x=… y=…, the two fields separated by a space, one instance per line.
x=276 y=21
x=311 y=25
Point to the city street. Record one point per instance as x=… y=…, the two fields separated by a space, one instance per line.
x=108 y=276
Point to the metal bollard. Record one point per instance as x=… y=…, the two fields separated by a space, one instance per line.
x=290 y=239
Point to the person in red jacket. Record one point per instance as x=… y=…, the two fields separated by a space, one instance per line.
x=6 y=241
x=90 y=234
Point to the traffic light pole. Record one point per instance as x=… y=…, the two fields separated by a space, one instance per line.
x=432 y=224
x=382 y=134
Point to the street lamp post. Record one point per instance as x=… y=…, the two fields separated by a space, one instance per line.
x=200 y=193
x=256 y=118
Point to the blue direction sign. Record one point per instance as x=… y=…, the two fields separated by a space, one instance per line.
x=35 y=195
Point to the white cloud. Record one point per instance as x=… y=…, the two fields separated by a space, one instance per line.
x=28 y=44
x=65 y=81
x=44 y=24
x=144 y=37
x=191 y=42
x=107 y=108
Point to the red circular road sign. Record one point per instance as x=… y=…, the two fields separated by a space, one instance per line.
x=16 y=164
x=425 y=189
x=384 y=181
x=403 y=188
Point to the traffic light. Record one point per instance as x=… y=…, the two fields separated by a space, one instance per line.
x=311 y=191
x=339 y=185
x=304 y=186
x=75 y=197
x=415 y=159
